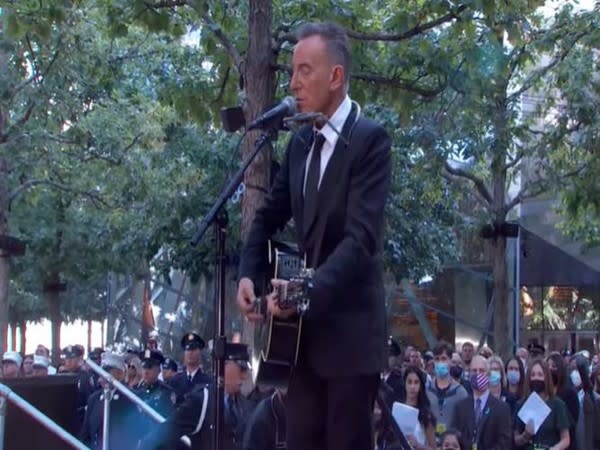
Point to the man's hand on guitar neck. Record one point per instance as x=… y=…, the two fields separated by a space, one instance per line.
x=279 y=288
x=246 y=300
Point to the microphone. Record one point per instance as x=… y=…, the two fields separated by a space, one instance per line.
x=316 y=118
x=273 y=118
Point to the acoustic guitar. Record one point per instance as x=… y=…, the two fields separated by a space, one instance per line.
x=276 y=340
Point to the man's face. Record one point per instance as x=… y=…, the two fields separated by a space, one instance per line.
x=315 y=77
x=467 y=353
x=28 y=366
x=71 y=364
x=234 y=378
x=414 y=359
x=192 y=357
x=10 y=369
x=150 y=374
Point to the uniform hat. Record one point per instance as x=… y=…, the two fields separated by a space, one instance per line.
x=169 y=363
x=191 y=341
x=13 y=357
x=393 y=347
x=238 y=353
x=72 y=351
x=151 y=358
x=96 y=353
x=41 y=361
x=110 y=360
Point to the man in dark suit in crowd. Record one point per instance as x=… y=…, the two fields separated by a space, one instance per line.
x=266 y=426
x=483 y=421
x=192 y=374
x=335 y=188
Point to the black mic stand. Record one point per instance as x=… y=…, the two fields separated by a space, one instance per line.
x=218 y=215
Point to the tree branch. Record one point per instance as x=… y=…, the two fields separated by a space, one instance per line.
x=62 y=187
x=224 y=40
x=478 y=182
x=416 y=30
x=537 y=74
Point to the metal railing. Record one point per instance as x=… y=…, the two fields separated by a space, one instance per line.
x=112 y=382
x=8 y=395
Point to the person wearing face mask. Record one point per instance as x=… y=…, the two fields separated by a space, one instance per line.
x=483 y=420
x=554 y=431
x=515 y=380
x=497 y=378
x=563 y=389
x=589 y=406
x=443 y=392
x=457 y=372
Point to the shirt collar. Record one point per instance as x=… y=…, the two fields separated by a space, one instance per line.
x=337 y=120
x=483 y=397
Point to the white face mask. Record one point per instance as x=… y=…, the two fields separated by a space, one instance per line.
x=576 y=378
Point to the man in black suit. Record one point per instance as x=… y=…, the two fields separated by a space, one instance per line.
x=483 y=421
x=192 y=374
x=335 y=188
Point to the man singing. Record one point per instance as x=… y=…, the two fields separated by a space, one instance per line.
x=335 y=188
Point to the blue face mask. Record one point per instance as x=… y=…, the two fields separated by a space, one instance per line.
x=442 y=369
x=513 y=377
x=495 y=377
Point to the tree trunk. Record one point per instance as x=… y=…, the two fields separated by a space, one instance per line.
x=502 y=337
x=13 y=337
x=259 y=79
x=4 y=230
x=53 y=298
x=89 y=335
x=23 y=336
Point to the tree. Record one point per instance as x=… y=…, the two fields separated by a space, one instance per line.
x=506 y=55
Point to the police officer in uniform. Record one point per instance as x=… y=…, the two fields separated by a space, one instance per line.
x=192 y=373
x=194 y=416
x=86 y=385
x=151 y=390
x=124 y=431
x=169 y=369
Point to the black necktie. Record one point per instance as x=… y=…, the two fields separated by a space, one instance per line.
x=189 y=377
x=311 y=191
x=477 y=411
x=232 y=412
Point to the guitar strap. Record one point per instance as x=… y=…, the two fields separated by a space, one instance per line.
x=344 y=137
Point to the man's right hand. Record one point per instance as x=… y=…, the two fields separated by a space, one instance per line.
x=246 y=300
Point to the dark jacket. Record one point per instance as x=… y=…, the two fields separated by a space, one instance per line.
x=181 y=385
x=123 y=425
x=266 y=428
x=344 y=330
x=494 y=431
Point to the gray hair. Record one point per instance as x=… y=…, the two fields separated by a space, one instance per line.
x=336 y=41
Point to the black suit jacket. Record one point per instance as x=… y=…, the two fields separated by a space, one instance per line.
x=344 y=331
x=495 y=428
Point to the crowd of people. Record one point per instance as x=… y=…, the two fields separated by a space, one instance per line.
x=464 y=399
x=472 y=399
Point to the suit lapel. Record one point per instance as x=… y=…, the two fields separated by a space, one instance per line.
x=329 y=178
x=298 y=164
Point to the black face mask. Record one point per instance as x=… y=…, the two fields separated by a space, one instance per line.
x=537 y=386
x=554 y=376
x=456 y=371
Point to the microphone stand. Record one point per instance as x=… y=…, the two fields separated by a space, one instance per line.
x=218 y=216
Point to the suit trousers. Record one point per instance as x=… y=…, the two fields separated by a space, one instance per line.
x=330 y=413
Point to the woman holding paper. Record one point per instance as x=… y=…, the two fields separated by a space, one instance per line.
x=553 y=433
x=424 y=436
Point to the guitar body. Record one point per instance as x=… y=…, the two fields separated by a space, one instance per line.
x=277 y=341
